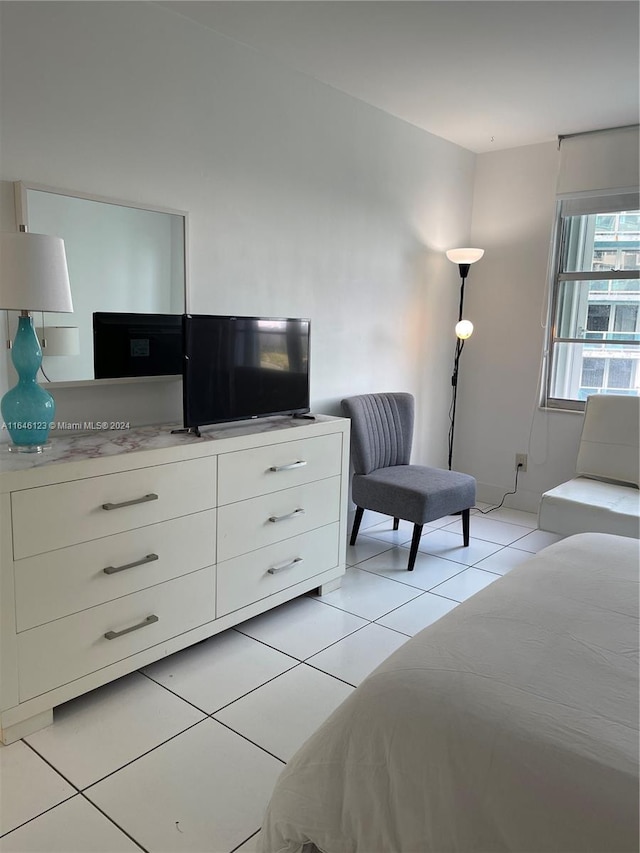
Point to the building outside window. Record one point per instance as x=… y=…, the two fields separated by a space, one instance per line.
x=594 y=338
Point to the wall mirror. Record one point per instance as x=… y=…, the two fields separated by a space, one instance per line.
x=122 y=257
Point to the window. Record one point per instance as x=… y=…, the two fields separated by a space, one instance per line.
x=594 y=337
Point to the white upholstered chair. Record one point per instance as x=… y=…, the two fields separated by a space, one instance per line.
x=604 y=495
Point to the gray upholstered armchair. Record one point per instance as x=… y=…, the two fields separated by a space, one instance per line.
x=384 y=481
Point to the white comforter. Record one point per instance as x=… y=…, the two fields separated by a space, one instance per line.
x=508 y=725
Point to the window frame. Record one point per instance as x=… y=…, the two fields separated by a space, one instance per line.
x=580 y=204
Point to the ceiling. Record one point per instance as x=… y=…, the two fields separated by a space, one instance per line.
x=483 y=74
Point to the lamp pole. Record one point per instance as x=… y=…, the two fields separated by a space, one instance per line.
x=464 y=328
x=464 y=271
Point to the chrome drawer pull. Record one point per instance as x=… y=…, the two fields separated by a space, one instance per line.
x=111 y=635
x=300 y=464
x=288 y=565
x=294 y=514
x=150 y=558
x=143 y=500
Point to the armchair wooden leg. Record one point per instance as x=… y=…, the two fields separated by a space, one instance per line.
x=415 y=541
x=356 y=525
x=465 y=527
x=396 y=523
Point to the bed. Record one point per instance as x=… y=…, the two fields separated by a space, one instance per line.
x=508 y=725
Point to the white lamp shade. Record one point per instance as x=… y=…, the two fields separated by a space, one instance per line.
x=465 y=256
x=464 y=329
x=33 y=273
x=59 y=340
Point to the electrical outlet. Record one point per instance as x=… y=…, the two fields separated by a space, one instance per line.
x=521 y=462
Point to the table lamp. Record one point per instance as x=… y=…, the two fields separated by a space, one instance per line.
x=33 y=277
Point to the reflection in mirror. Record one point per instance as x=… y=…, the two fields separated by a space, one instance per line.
x=120 y=257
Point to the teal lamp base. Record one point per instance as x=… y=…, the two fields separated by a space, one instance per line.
x=27 y=409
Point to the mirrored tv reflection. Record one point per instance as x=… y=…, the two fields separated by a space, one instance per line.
x=244 y=367
x=127 y=345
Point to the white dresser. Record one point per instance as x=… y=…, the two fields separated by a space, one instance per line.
x=119 y=548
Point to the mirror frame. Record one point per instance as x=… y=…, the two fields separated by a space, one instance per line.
x=20 y=189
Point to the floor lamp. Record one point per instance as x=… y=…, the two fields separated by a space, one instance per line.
x=464 y=329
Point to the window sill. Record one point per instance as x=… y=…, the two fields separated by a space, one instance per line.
x=546 y=408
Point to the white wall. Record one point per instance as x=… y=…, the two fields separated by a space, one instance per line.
x=505 y=297
x=302 y=201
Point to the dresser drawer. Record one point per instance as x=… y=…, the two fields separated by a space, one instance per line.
x=259 y=574
x=252 y=524
x=61 y=651
x=51 y=517
x=249 y=473
x=49 y=586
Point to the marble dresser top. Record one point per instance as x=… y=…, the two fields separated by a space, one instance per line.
x=105 y=443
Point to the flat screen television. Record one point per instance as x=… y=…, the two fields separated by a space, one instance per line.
x=136 y=344
x=236 y=368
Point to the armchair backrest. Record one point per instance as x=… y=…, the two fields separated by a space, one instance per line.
x=381 y=430
x=610 y=441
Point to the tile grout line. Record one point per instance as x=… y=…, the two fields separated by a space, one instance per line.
x=437 y=556
x=404 y=603
x=500 y=547
x=52 y=766
x=419 y=592
x=108 y=817
x=248 y=740
x=474 y=539
x=237 y=629
x=395 y=580
x=324 y=648
x=360 y=566
x=407 y=543
x=253 y=835
x=432 y=589
x=330 y=674
x=173 y=693
x=452 y=524
x=319 y=651
x=296 y=662
x=78 y=792
x=210 y=714
x=339 y=640
x=142 y=755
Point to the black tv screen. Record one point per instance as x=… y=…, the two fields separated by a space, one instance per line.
x=136 y=344
x=243 y=367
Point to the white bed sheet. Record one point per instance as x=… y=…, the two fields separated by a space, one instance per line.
x=508 y=725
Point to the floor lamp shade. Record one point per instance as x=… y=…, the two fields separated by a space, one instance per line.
x=33 y=277
x=464 y=256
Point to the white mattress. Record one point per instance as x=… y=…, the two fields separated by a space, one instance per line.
x=584 y=504
x=508 y=725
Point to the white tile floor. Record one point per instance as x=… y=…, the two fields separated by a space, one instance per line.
x=183 y=755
